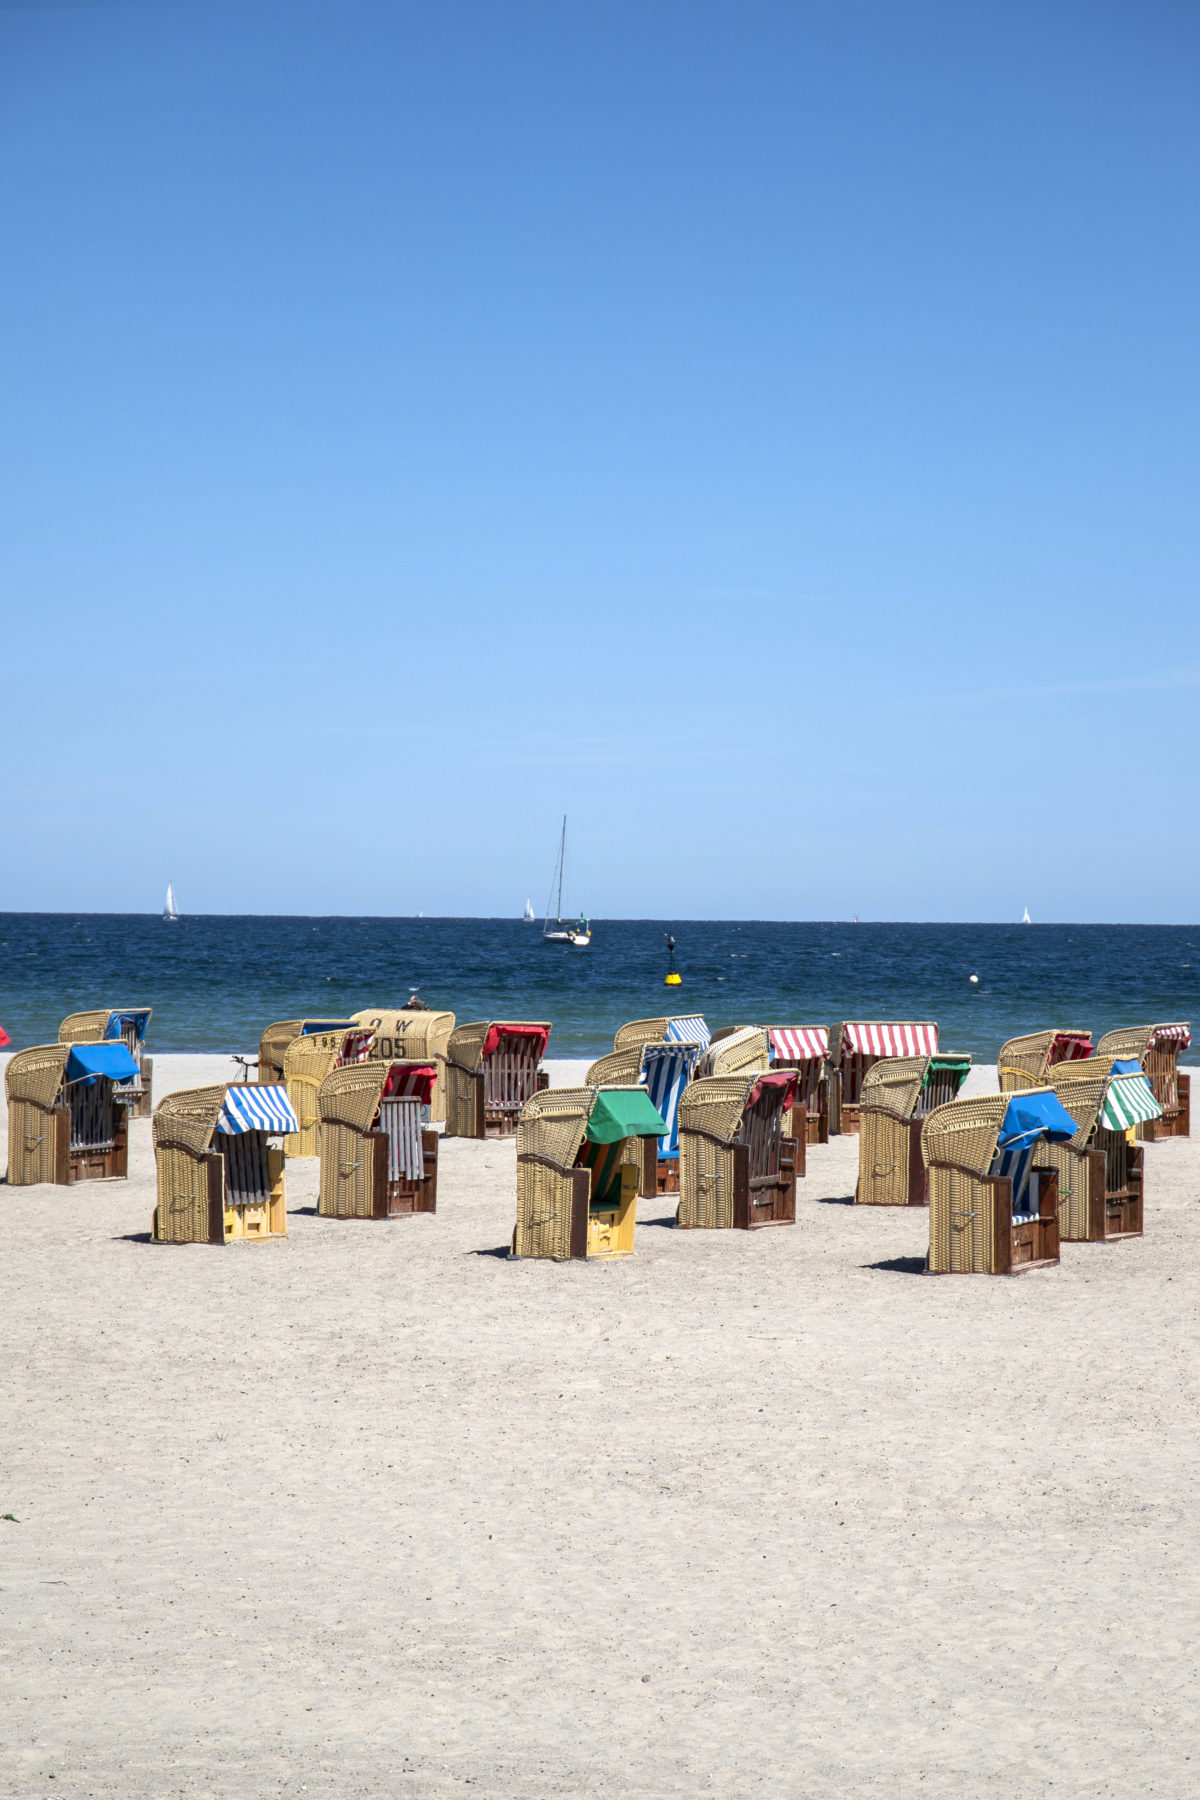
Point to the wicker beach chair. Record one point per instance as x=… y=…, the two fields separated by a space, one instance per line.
x=1026 y=1062
x=737 y=1170
x=619 y=1068
x=1101 y=1172
x=854 y=1046
x=378 y=1153
x=492 y=1069
x=126 y=1025
x=412 y=1035
x=306 y=1062
x=1158 y=1049
x=993 y=1192
x=67 y=1113
x=805 y=1048
x=743 y=1049
x=898 y=1094
x=220 y=1164
x=581 y=1160
x=681 y=1028
x=276 y=1038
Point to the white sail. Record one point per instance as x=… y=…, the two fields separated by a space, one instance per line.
x=1027 y=920
x=170 y=910
x=529 y=915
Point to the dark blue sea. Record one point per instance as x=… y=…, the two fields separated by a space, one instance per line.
x=214 y=982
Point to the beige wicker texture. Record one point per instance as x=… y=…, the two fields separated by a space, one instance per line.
x=746 y=1049
x=1125 y=1043
x=620 y=1068
x=894 y=1084
x=187 y=1120
x=639 y=1032
x=306 y=1063
x=36 y=1074
x=183 y=1128
x=32 y=1083
x=1023 y=1061
x=413 y=1037
x=350 y=1095
x=1072 y=1168
x=961 y=1204
x=710 y=1108
x=271 y=1046
x=85 y=1027
x=883 y=1147
x=890 y=1091
x=1080 y=1087
x=347 y=1186
x=464 y=1054
x=552 y=1126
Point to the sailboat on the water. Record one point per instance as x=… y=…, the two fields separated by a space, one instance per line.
x=170 y=910
x=529 y=915
x=580 y=935
x=1026 y=920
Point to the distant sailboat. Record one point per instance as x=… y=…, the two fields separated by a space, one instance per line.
x=578 y=935
x=529 y=915
x=170 y=910
x=1026 y=920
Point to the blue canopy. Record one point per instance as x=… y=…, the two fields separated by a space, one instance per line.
x=88 y=1062
x=1129 y=1067
x=1031 y=1116
x=138 y=1019
x=310 y=1027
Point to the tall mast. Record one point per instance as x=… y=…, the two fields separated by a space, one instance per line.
x=562 y=850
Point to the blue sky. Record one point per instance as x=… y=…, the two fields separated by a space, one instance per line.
x=767 y=433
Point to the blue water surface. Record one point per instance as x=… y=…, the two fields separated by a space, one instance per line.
x=214 y=982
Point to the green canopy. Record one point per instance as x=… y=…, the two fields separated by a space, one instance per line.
x=623 y=1112
x=937 y=1064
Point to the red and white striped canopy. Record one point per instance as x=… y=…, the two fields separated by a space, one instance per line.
x=1071 y=1046
x=356 y=1046
x=409 y=1081
x=895 y=1039
x=799 y=1043
x=1172 y=1034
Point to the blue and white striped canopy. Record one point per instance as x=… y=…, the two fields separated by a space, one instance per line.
x=251 y=1108
x=688 y=1029
x=666 y=1070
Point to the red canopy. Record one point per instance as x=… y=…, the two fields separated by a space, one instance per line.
x=4 y=1037
x=409 y=1081
x=786 y=1081
x=496 y=1032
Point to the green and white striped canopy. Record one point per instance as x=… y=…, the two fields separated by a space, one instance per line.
x=1129 y=1101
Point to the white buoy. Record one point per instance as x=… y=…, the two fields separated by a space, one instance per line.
x=972 y=978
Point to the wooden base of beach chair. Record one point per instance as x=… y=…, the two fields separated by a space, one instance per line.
x=401 y=1199
x=849 y=1121
x=1176 y=1120
x=666 y=1175
x=111 y=1164
x=1034 y=1244
x=765 y=1199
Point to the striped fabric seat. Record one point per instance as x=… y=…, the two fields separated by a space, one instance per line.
x=252 y=1108
x=1017 y=1163
x=400 y=1122
x=688 y=1029
x=1129 y=1101
x=665 y=1072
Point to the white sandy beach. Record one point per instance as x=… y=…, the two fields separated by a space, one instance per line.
x=376 y=1512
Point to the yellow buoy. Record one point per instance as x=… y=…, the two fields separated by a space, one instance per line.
x=672 y=978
